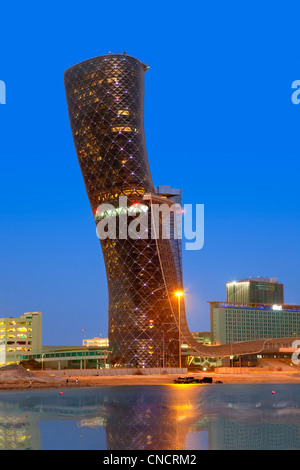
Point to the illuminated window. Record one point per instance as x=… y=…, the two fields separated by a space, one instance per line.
x=123 y=112
x=121 y=129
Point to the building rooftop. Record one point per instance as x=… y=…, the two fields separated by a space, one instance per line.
x=271 y=280
x=146 y=67
x=260 y=306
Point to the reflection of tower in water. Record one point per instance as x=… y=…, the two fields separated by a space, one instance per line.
x=156 y=417
x=149 y=422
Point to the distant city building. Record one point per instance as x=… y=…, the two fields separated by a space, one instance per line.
x=166 y=191
x=96 y=342
x=233 y=323
x=255 y=291
x=202 y=337
x=20 y=335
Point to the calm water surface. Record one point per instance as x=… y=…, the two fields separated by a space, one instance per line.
x=172 y=417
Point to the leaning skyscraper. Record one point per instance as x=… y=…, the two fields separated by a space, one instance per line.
x=105 y=98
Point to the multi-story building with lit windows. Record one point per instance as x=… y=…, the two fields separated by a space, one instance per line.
x=19 y=336
x=233 y=323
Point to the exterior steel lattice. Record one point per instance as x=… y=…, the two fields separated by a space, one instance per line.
x=105 y=98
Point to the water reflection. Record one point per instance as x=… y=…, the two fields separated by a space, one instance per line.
x=153 y=418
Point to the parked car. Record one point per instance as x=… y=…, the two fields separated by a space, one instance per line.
x=193 y=380
x=185 y=380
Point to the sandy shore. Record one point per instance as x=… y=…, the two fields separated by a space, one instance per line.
x=45 y=381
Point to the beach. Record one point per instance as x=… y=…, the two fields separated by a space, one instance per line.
x=18 y=378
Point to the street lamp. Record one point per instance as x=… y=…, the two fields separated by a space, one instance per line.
x=179 y=294
x=84 y=349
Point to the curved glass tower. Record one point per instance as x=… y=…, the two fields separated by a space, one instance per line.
x=105 y=97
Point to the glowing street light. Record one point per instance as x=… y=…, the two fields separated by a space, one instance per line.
x=179 y=294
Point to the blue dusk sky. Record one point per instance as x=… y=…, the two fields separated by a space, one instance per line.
x=219 y=123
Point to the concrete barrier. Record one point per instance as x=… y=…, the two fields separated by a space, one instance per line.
x=117 y=371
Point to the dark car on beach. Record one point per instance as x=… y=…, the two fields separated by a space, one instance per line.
x=185 y=380
x=193 y=380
